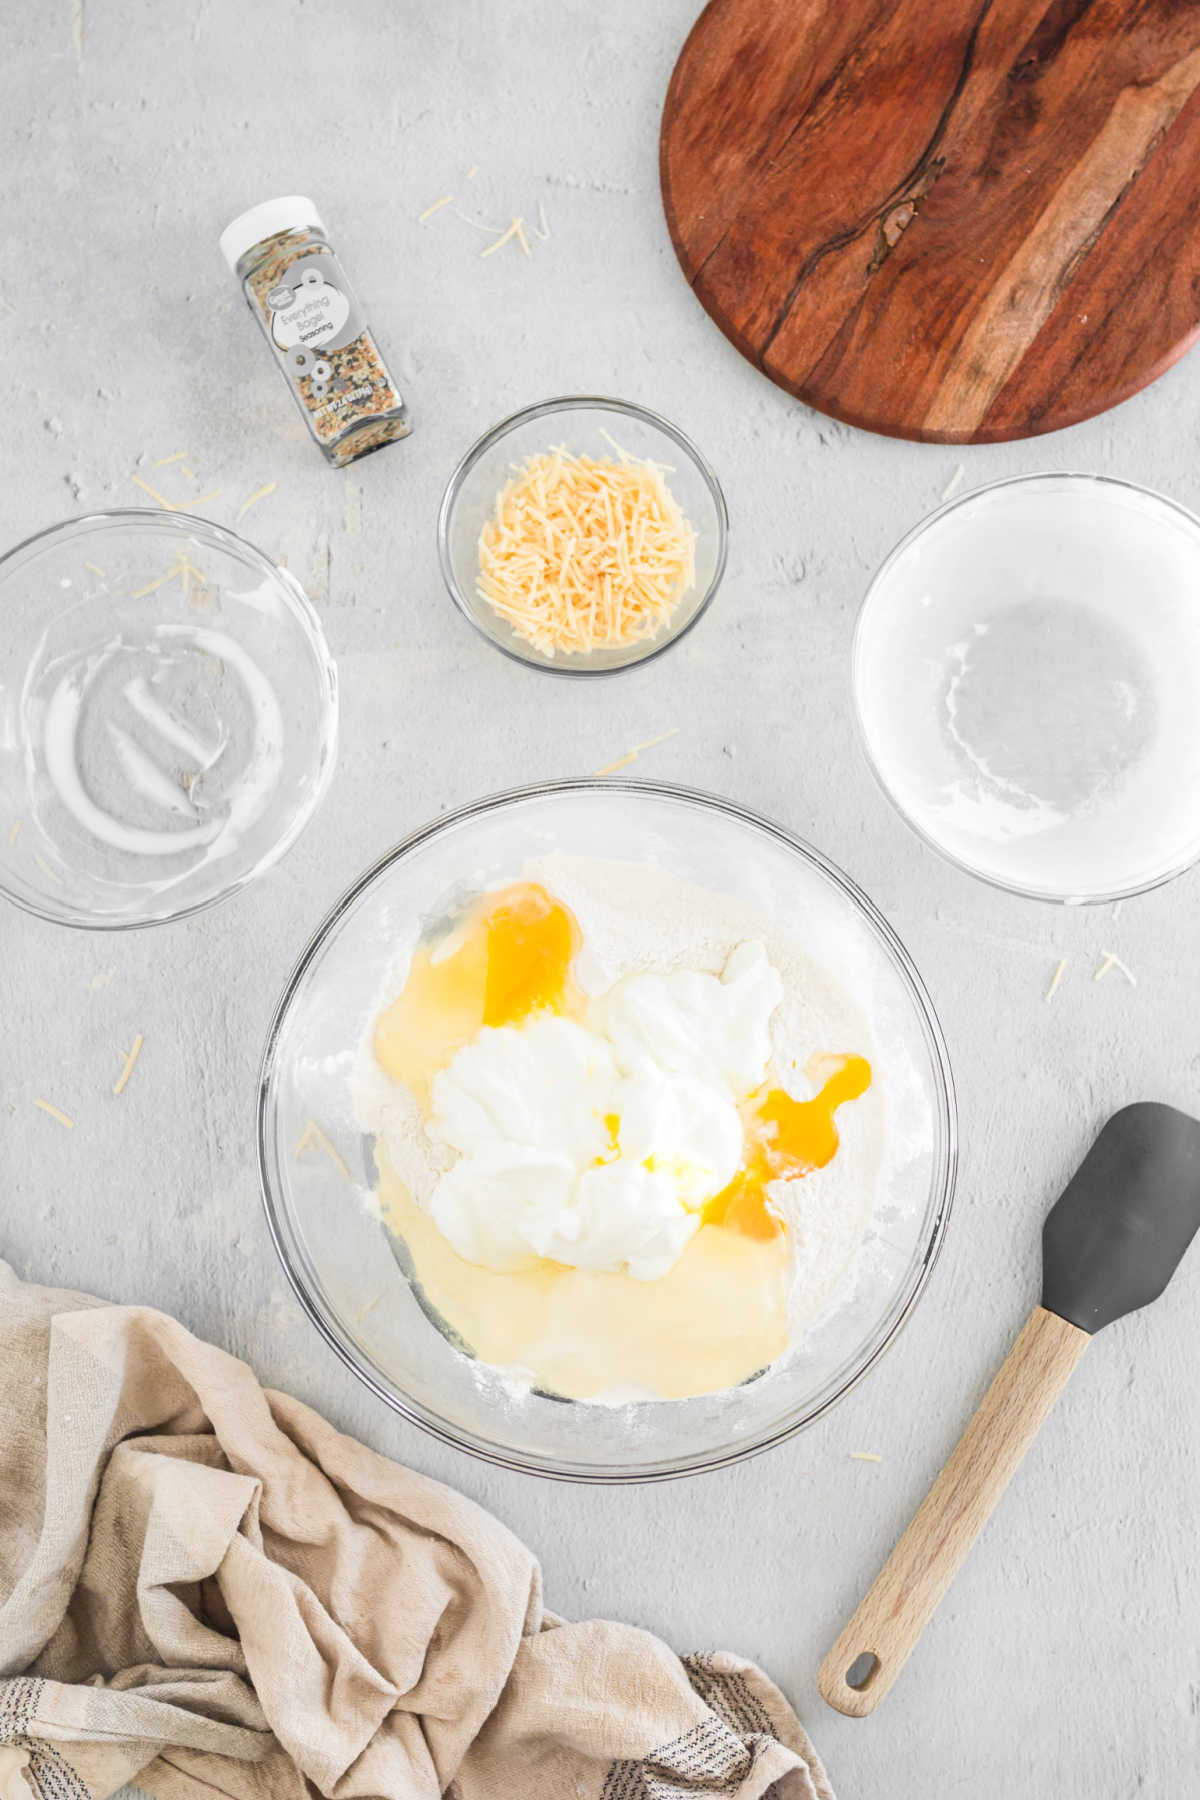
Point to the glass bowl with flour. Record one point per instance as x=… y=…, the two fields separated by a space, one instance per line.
x=168 y=717
x=606 y=1131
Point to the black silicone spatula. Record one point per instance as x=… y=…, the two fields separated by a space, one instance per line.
x=1110 y=1245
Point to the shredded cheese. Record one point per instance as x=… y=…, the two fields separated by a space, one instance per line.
x=96 y=570
x=635 y=750
x=56 y=1112
x=446 y=200
x=313 y=1138
x=44 y=866
x=515 y=230
x=1054 y=981
x=14 y=833
x=1112 y=961
x=127 y=1071
x=585 y=554
x=167 y=505
x=954 y=482
x=260 y=493
x=541 y=229
x=175 y=456
x=473 y=171
x=865 y=1456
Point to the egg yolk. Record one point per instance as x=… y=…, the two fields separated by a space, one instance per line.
x=785 y=1138
x=514 y=957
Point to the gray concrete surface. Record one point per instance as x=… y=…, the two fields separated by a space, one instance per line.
x=1065 y=1662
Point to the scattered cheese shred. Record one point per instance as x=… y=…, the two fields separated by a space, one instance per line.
x=1054 y=981
x=865 y=1456
x=446 y=200
x=190 y=473
x=44 y=866
x=473 y=171
x=96 y=570
x=541 y=229
x=212 y=494
x=1110 y=960
x=1117 y=910
x=954 y=482
x=14 y=833
x=56 y=1112
x=632 y=754
x=175 y=456
x=313 y=1138
x=368 y=1308
x=514 y=231
x=132 y=1057
x=167 y=505
x=585 y=554
x=260 y=493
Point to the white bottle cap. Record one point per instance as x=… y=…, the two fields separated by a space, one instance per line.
x=264 y=221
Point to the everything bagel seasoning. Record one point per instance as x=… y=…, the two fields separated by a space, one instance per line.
x=298 y=292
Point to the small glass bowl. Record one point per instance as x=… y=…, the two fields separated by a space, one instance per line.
x=318 y=1170
x=579 y=423
x=1026 y=675
x=168 y=718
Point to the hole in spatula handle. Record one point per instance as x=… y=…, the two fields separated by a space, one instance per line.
x=862 y=1671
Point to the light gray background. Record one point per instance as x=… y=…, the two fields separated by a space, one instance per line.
x=1065 y=1660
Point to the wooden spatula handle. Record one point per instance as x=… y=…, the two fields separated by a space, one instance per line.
x=906 y=1591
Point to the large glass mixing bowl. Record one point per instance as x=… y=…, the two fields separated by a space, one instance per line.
x=317 y=1168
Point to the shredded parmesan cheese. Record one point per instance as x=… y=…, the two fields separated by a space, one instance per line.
x=50 y=873
x=313 y=1138
x=56 y=1112
x=954 y=482
x=515 y=230
x=175 y=456
x=1054 y=981
x=14 y=833
x=865 y=1456
x=260 y=493
x=127 y=1071
x=585 y=554
x=167 y=505
x=446 y=200
x=1112 y=961
x=96 y=570
x=541 y=229
x=635 y=750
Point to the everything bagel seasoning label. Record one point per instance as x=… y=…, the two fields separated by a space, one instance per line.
x=309 y=313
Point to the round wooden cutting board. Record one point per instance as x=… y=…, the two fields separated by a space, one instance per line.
x=956 y=220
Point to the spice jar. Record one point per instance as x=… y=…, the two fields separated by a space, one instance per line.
x=298 y=292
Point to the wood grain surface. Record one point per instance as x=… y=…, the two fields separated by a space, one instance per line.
x=954 y=220
x=904 y=1595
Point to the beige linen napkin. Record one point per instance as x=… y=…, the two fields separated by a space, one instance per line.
x=207 y=1589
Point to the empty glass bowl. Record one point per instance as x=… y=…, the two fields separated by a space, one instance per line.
x=168 y=717
x=586 y=427
x=1027 y=680
x=318 y=1173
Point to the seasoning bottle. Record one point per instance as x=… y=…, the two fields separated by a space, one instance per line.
x=298 y=292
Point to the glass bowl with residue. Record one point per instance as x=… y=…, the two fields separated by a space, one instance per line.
x=1026 y=677
x=607 y=430
x=355 y=1276
x=168 y=718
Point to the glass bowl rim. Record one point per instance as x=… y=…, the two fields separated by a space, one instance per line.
x=306 y=618
x=285 y=1235
x=1036 y=477
x=577 y=403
